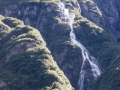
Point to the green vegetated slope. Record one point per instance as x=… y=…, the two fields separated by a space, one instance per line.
x=25 y=61
x=110 y=79
x=45 y=15
x=99 y=43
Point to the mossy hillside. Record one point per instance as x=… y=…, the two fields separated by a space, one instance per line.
x=99 y=42
x=30 y=64
x=110 y=78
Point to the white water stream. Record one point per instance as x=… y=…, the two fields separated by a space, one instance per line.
x=67 y=17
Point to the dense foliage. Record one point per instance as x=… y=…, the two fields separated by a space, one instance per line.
x=25 y=61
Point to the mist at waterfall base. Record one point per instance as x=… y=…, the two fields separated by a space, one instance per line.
x=87 y=58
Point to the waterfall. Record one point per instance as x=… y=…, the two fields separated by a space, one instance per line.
x=67 y=17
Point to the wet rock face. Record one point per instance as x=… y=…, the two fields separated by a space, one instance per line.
x=103 y=13
x=90 y=10
x=26 y=12
x=31 y=13
x=110 y=12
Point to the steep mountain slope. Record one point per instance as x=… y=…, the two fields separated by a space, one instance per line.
x=110 y=14
x=110 y=17
x=91 y=11
x=104 y=13
x=45 y=15
x=110 y=79
x=25 y=61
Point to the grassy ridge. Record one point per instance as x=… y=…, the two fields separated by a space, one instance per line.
x=25 y=61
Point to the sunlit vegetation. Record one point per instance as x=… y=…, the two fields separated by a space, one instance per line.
x=26 y=63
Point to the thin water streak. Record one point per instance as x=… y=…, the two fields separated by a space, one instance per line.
x=67 y=17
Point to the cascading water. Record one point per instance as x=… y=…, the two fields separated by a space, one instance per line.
x=67 y=17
